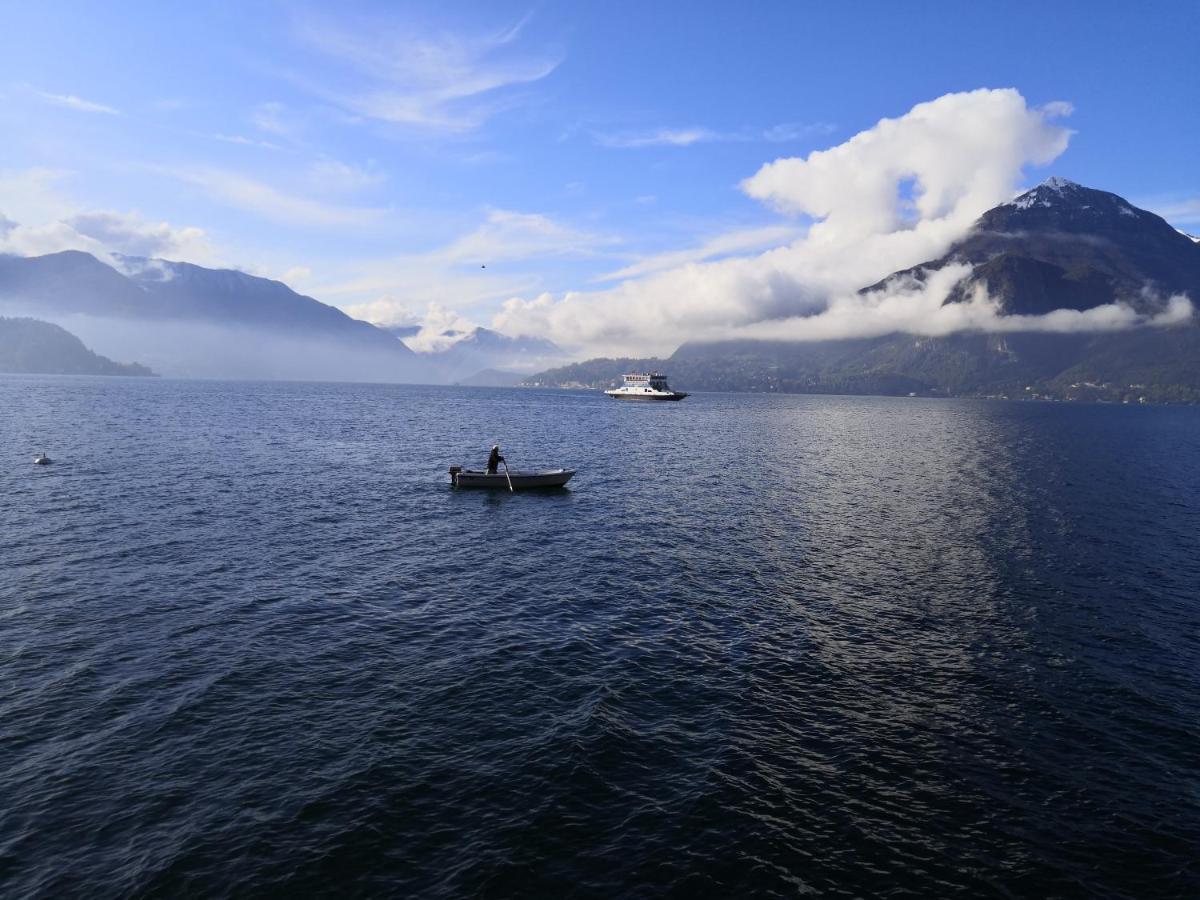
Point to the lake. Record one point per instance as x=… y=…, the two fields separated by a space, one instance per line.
x=253 y=644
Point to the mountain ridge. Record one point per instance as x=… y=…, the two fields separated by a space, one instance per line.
x=478 y=350
x=30 y=346
x=1056 y=246
x=191 y=320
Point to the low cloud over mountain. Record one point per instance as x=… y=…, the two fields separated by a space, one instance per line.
x=889 y=198
x=1064 y=291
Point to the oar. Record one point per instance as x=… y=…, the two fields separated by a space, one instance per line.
x=511 y=489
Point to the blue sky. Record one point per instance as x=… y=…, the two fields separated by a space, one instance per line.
x=378 y=155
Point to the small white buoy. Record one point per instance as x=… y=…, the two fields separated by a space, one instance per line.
x=41 y=460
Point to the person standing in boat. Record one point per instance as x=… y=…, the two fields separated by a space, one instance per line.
x=494 y=459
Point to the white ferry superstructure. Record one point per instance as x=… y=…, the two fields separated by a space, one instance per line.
x=645 y=386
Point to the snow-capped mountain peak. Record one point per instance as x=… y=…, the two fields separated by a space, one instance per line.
x=1054 y=189
x=1061 y=196
x=1058 y=184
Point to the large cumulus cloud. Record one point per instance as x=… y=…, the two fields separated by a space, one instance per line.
x=889 y=198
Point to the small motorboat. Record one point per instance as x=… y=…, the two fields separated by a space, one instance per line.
x=41 y=460
x=499 y=481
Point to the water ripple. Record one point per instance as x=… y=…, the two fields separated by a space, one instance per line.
x=252 y=644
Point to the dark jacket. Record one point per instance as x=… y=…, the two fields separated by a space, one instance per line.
x=494 y=460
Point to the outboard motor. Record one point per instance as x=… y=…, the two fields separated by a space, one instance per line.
x=454 y=470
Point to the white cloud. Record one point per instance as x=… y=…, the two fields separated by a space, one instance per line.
x=918 y=307
x=70 y=101
x=433 y=82
x=441 y=328
x=889 y=198
x=388 y=311
x=384 y=292
x=105 y=234
x=37 y=218
x=133 y=235
x=295 y=276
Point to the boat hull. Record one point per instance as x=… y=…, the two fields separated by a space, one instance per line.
x=521 y=481
x=632 y=395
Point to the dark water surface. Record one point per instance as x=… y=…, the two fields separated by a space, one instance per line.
x=251 y=643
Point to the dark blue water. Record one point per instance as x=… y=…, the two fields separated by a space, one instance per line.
x=252 y=644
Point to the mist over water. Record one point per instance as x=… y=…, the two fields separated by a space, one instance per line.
x=196 y=349
x=252 y=643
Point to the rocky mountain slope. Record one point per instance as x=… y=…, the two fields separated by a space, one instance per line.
x=1064 y=246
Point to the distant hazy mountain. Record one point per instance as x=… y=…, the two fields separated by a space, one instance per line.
x=463 y=353
x=1057 y=246
x=603 y=372
x=189 y=320
x=33 y=347
x=402 y=331
x=493 y=378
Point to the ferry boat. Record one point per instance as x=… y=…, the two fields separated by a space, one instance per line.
x=645 y=386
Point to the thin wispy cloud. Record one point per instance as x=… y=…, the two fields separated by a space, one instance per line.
x=242 y=140
x=334 y=176
x=741 y=241
x=268 y=202
x=661 y=137
x=70 y=101
x=1182 y=211
x=508 y=236
x=483 y=264
x=685 y=137
x=797 y=131
x=432 y=82
x=273 y=118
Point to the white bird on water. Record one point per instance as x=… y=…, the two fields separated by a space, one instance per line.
x=41 y=460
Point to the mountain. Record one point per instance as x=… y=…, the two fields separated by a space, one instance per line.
x=459 y=354
x=190 y=320
x=601 y=373
x=1064 y=246
x=33 y=347
x=1057 y=246
x=492 y=378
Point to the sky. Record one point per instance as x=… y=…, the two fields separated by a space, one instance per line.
x=618 y=176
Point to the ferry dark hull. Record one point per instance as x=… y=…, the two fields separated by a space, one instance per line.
x=674 y=395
